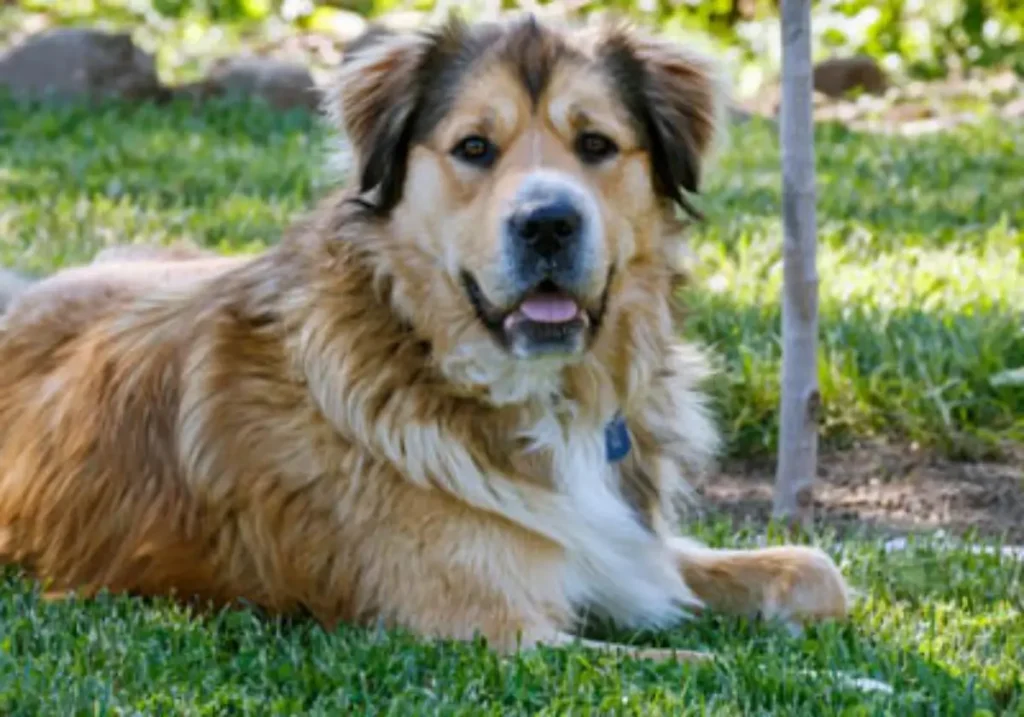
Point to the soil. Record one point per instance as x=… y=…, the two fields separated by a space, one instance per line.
x=887 y=489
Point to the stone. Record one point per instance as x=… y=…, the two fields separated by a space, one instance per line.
x=838 y=76
x=80 y=63
x=282 y=84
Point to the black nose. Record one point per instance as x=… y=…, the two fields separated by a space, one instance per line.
x=547 y=227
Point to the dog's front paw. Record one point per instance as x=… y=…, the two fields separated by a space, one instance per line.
x=805 y=586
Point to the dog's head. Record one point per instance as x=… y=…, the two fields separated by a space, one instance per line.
x=526 y=174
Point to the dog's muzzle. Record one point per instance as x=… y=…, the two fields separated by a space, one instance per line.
x=550 y=234
x=550 y=241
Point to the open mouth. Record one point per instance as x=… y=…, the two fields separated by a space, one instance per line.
x=545 y=320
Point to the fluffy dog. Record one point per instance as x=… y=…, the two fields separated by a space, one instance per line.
x=451 y=399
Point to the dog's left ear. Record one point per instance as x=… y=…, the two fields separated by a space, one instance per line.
x=677 y=100
x=376 y=99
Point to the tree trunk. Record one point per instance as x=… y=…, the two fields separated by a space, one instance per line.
x=798 y=422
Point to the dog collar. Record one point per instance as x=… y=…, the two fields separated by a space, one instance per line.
x=616 y=439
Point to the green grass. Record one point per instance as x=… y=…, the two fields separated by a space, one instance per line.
x=921 y=259
x=922 y=302
x=944 y=629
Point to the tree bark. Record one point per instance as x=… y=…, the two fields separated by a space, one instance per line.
x=800 y=399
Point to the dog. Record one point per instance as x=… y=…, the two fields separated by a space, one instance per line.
x=451 y=400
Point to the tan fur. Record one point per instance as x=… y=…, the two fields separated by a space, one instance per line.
x=327 y=427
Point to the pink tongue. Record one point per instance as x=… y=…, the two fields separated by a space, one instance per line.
x=549 y=309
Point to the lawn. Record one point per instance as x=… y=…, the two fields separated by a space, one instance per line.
x=921 y=258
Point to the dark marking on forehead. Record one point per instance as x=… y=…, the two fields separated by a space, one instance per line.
x=533 y=52
x=457 y=49
x=397 y=110
x=529 y=50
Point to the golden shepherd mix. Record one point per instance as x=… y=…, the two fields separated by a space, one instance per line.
x=451 y=400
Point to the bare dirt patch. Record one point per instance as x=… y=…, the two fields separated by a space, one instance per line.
x=890 y=489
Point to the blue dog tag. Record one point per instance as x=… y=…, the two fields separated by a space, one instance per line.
x=616 y=439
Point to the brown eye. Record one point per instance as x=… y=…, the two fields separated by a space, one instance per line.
x=476 y=150
x=593 y=147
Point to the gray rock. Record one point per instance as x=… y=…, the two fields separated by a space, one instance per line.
x=838 y=76
x=80 y=63
x=281 y=84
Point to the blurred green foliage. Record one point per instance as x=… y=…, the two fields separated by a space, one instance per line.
x=920 y=37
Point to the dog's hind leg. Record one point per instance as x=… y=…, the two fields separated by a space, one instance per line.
x=793 y=583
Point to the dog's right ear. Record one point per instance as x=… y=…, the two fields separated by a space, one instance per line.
x=376 y=100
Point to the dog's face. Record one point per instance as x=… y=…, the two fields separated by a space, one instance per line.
x=535 y=168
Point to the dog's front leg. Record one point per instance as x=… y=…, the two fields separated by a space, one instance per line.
x=797 y=584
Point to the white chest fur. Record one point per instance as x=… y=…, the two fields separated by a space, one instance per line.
x=616 y=567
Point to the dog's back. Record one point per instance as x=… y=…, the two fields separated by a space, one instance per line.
x=116 y=274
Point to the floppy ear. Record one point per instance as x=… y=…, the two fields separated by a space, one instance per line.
x=676 y=99
x=376 y=99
